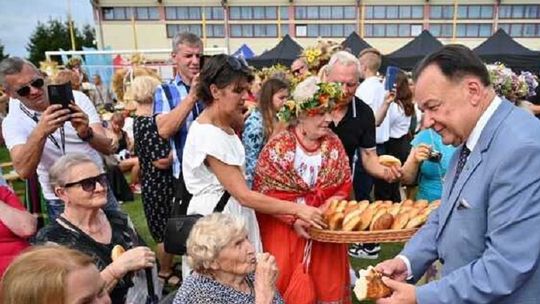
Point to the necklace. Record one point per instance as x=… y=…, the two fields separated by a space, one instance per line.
x=309 y=150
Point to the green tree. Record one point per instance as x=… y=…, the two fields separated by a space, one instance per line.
x=53 y=35
x=2 y=55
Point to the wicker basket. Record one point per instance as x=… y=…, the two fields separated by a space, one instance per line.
x=382 y=236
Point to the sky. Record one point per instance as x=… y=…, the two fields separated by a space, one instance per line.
x=19 y=18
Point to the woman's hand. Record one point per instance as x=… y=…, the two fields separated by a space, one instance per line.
x=134 y=259
x=421 y=152
x=301 y=228
x=389 y=97
x=313 y=216
x=266 y=274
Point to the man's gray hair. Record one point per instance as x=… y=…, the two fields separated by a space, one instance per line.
x=185 y=38
x=344 y=58
x=11 y=66
x=61 y=168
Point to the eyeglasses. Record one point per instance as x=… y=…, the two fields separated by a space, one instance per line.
x=296 y=72
x=36 y=83
x=234 y=63
x=89 y=184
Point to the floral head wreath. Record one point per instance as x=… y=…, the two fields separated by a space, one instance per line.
x=319 y=55
x=312 y=97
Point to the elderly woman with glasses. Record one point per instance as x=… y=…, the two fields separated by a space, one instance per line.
x=226 y=268
x=84 y=226
x=214 y=158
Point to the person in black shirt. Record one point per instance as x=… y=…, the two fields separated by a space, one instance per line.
x=354 y=123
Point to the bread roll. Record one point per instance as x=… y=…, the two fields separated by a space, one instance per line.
x=352 y=220
x=413 y=212
x=116 y=252
x=362 y=205
x=394 y=210
x=382 y=222
x=336 y=221
x=408 y=202
x=421 y=204
x=387 y=204
x=416 y=221
x=400 y=221
x=375 y=205
x=435 y=204
x=389 y=161
x=370 y=286
x=366 y=218
x=341 y=206
x=350 y=207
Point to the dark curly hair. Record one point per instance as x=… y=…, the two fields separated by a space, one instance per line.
x=221 y=70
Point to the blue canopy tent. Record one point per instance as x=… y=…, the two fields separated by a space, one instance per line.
x=244 y=52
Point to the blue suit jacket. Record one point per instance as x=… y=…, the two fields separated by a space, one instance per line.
x=486 y=232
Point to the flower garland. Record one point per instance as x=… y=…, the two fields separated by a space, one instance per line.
x=312 y=97
x=510 y=85
x=319 y=55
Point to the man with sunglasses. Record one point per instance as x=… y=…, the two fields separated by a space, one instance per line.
x=299 y=67
x=37 y=133
x=175 y=103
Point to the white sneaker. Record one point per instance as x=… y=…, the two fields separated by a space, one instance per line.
x=358 y=251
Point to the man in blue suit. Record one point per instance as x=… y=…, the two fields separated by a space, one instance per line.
x=485 y=234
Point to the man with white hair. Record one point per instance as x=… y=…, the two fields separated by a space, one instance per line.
x=354 y=123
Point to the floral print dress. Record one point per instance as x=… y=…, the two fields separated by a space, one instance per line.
x=253 y=141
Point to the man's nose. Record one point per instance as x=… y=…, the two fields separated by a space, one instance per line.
x=427 y=120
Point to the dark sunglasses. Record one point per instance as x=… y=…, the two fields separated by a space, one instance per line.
x=234 y=63
x=89 y=184
x=36 y=83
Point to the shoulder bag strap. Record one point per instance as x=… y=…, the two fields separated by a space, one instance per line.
x=222 y=201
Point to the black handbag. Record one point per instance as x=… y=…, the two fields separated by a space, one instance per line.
x=179 y=225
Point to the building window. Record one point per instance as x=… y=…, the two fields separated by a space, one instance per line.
x=183 y=13
x=441 y=12
x=473 y=30
x=324 y=12
x=173 y=29
x=441 y=30
x=521 y=29
x=519 y=11
x=215 y=31
x=392 y=30
x=301 y=30
x=117 y=13
x=338 y=30
x=253 y=30
x=284 y=28
x=475 y=12
x=394 y=12
x=213 y=13
x=253 y=12
x=284 y=12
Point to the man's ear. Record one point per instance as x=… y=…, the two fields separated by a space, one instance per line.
x=475 y=89
x=60 y=192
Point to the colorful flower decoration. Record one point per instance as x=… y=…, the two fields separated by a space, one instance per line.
x=319 y=55
x=509 y=85
x=312 y=97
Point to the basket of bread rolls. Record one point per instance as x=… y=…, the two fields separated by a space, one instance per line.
x=377 y=222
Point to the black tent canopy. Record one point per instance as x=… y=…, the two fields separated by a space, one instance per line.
x=500 y=47
x=285 y=52
x=411 y=53
x=354 y=44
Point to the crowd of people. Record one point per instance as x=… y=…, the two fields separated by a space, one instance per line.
x=279 y=147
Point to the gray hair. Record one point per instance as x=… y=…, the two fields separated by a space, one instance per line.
x=143 y=88
x=344 y=58
x=59 y=171
x=12 y=66
x=185 y=38
x=209 y=236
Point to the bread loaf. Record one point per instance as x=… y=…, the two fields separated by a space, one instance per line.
x=116 y=252
x=383 y=221
x=352 y=220
x=370 y=286
x=389 y=161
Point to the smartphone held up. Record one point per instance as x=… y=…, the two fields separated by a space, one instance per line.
x=61 y=94
x=391 y=78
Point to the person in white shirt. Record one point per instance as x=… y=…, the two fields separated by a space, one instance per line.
x=37 y=133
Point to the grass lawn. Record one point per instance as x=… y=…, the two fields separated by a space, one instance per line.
x=135 y=211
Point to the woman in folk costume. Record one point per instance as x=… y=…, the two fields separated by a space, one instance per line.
x=306 y=164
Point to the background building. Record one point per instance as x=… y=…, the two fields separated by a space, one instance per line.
x=150 y=24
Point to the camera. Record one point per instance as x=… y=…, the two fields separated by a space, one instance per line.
x=435 y=156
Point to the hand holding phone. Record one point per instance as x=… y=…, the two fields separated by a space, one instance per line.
x=391 y=78
x=61 y=94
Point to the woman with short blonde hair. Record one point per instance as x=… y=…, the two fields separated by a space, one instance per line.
x=52 y=274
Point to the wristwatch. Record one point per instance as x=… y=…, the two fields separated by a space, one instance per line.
x=89 y=135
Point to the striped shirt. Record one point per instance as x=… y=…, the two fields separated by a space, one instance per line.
x=178 y=91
